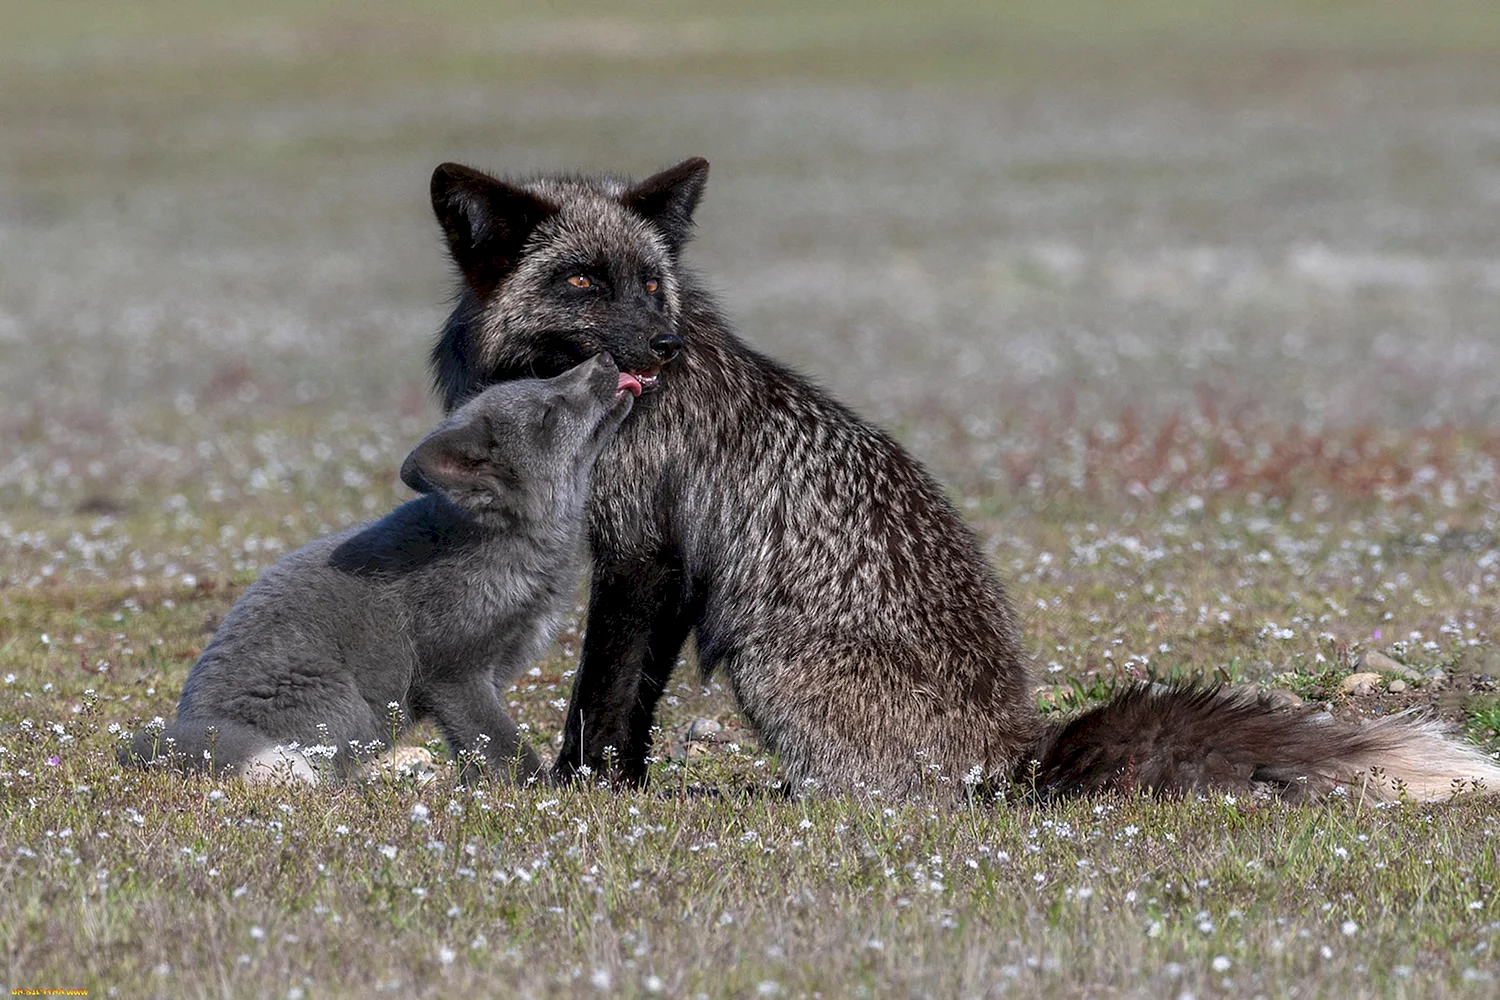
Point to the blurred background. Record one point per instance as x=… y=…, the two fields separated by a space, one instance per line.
x=1026 y=236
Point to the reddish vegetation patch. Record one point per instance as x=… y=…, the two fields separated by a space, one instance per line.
x=1208 y=454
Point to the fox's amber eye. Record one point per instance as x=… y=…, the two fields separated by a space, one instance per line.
x=580 y=281
x=651 y=286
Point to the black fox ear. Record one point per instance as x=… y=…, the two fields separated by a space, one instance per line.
x=450 y=458
x=486 y=222
x=669 y=199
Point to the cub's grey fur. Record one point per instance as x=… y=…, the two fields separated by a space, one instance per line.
x=818 y=565
x=434 y=607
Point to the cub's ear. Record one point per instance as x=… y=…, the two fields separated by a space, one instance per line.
x=450 y=458
x=669 y=199
x=486 y=222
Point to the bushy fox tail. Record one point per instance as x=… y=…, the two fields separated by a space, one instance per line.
x=1187 y=739
x=218 y=747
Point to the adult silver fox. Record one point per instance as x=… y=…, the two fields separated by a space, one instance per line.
x=818 y=565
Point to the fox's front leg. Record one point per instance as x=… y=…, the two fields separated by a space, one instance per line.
x=639 y=617
x=473 y=718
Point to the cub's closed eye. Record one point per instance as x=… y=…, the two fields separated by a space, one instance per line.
x=651 y=286
x=580 y=281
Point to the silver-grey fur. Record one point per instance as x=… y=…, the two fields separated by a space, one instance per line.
x=817 y=564
x=434 y=607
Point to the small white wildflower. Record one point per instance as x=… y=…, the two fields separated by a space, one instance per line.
x=654 y=984
x=1349 y=928
x=419 y=813
x=389 y=850
x=600 y=979
x=1221 y=963
x=446 y=955
x=258 y=932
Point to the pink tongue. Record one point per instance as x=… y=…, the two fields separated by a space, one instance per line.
x=630 y=382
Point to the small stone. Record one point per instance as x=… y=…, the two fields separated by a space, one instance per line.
x=703 y=730
x=1436 y=676
x=102 y=506
x=1360 y=683
x=1396 y=686
x=1281 y=698
x=1381 y=663
x=416 y=763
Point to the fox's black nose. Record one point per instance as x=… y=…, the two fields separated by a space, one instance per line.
x=666 y=346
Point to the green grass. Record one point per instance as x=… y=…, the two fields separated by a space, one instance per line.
x=1483 y=719
x=148 y=884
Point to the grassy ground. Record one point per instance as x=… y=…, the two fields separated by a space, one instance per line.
x=1192 y=305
